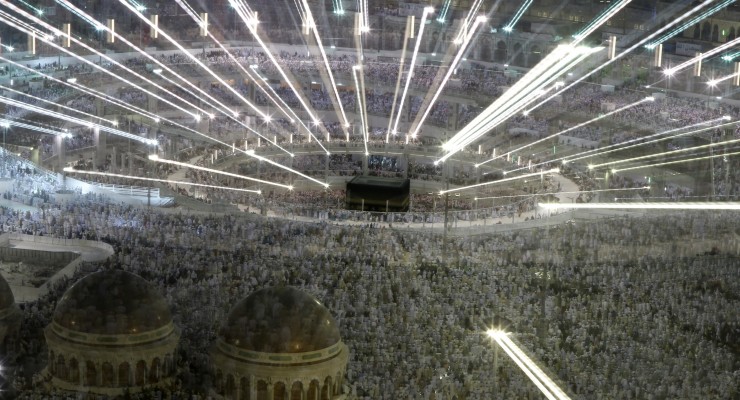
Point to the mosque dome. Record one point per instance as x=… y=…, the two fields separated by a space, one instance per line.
x=280 y=320
x=112 y=303
x=6 y=295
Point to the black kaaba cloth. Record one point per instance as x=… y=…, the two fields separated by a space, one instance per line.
x=372 y=193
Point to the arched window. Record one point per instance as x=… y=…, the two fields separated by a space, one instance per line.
x=61 y=368
x=262 y=390
x=535 y=55
x=499 y=54
x=731 y=34
x=518 y=55
x=295 y=390
x=155 y=371
x=706 y=31
x=279 y=392
x=140 y=378
x=109 y=376
x=124 y=374
x=245 y=388
x=230 y=389
x=313 y=390
x=715 y=33
x=697 y=31
x=74 y=371
x=91 y=374
x=326 y=389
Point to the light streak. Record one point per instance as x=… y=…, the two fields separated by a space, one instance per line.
x=156 y=158
x=726 y=57
x=407 y=33
x=66 y=4
x=443 y=11
x=55 y=104
x=195 y=59
x=689 y=24
x=602 y=18
x=67 y=118
x=556 y=193
x=361 y=103
x=242 y=9
x=77 y=171
x=621 y=146
x=674 y=162
x=156 y=119
x=582 y=124
x=315 y=30
x=105 y=97
x=702 y=56
x=518 y=96
x=535 y=374
x=624 y=53
x=715 y=82
x=706 y=146
x=701 y=206
x=7 y=123
x=260 y=81
x=225 y=111
x=360 y=90
x=98 y=67
x=542 y=173
x=338 y=7
x=449 y=73
x=424 y=15
x=466 y=22
x=510 y=26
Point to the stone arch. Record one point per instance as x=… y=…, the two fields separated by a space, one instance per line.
x=706 y=30
x=279 y=392
x=535 y=55
x=74 y=371
x=433 y=39
x=169 y=366
x=52 y=364
x=219 y=381
x=108 y=375
x=326 y=389
x=140 y=375
x=230 y=387
x=245 y=388
x=296 y=390
x=61 y=368
x=313 y=390
x=91 y=374
x=485 y=50
x=262 y=390
x=518 y=55
x=155 y=371
x=499 y=54
x=715 y=33
x=124 y=374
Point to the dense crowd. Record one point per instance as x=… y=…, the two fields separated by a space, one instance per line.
x=626 y=308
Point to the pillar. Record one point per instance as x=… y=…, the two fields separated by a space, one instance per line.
x=152 y=104
x=59 y=149
x=113 y=160
x=252 y=387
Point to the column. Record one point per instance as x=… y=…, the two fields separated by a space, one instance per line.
x=252 y=387
x=100 y=138
x=114 y=161
x=60 y=150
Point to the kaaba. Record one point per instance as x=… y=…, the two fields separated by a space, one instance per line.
x=372 y=193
